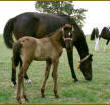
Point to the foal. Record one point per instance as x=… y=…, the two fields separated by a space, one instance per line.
x=48 y=49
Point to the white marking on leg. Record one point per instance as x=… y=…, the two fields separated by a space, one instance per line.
x=13 y=84
x=97 y=44
x=105 y=47
x=29 y=81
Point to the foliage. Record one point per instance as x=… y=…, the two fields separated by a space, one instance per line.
x=62 y=7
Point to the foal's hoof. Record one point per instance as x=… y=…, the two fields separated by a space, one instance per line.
x=26 y=99
x=43 y=95
x=29 y=81
x=19 y=100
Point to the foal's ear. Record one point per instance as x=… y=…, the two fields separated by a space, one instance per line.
x=67 y=27
x=62 y=29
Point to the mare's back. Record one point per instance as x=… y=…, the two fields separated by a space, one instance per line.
x=28 y=23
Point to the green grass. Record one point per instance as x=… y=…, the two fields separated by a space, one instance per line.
x=94 y=92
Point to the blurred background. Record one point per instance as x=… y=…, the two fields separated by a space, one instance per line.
x=88 y=14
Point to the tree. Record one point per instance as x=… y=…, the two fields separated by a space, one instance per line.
x=62 y=7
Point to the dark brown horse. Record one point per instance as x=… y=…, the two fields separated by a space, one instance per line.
x=27 y=49
x=105 y=34
x=38 y=25
x=95 y=33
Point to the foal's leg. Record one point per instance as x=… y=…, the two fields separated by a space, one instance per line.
x=24 y=94
x=20 y=79
x=55 y=66
x=48 y=66
x=23 y=70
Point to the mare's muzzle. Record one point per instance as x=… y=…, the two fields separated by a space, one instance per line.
x=86 y=67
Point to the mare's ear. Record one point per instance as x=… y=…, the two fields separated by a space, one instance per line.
x=91 y=55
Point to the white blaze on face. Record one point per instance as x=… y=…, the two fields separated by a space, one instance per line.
x=69 y=33
x=105 y=47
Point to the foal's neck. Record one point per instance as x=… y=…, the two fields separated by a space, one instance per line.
x=56 y=40
x=57 y=36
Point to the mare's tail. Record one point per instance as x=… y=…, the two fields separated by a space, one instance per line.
x=7 y=34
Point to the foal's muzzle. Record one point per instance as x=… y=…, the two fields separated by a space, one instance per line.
x=65 y=39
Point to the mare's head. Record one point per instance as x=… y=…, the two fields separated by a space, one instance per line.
x=67 y=30
x=86 y=67
x=79 y=41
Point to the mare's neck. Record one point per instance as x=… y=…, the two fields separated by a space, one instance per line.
x=82 y=47
x=80 y=43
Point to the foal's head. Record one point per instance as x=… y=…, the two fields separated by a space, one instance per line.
x=67 y=30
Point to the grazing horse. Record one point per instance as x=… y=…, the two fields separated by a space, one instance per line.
x=27 y=49
x=38 y=25
x=105 y=34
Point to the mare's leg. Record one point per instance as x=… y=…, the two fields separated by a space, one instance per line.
x=13 y=76
x=70 y=60
x=55 y=66
x=47 y=71
x=106 y=45
x=27 y=78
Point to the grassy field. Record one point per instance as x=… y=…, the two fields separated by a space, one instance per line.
x=94 y=92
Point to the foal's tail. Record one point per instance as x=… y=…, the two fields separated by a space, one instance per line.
x=16 y=53
x=7 y=34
